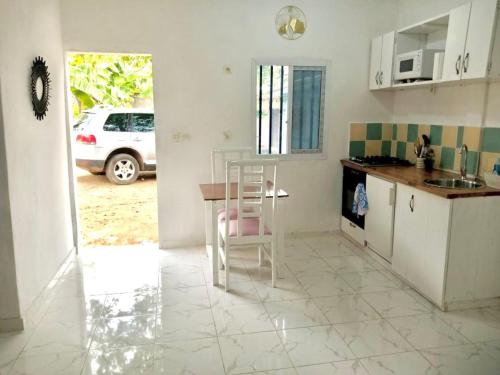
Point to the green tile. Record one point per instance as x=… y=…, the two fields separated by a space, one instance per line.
x=401 y=150
x=436 y=135
x=460 y=136
x=386 y=148
x=373 y=132
x=472 y=162
x=394 y=132
x=491 y=140
x=412 y=133
x=357 y=148
x=447 y=157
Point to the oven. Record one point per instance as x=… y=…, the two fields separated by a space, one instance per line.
x=351 y=179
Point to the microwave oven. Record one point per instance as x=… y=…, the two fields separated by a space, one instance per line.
x=415 y=65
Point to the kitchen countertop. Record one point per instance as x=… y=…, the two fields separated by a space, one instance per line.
x=412 y=176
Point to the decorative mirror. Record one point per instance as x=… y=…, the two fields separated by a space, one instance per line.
x=291 y=22
x=40 y=87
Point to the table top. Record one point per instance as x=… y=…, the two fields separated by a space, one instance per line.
x=217 y=191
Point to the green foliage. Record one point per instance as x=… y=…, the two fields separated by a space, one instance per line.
x=116 y=80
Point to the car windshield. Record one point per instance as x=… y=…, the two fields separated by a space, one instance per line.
x=83 y=121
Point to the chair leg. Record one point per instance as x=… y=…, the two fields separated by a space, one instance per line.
x=261 y=260
x=226 y=268
x=220 y=261
x=274 y=262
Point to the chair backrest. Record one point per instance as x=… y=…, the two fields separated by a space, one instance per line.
x=220 y=156
x=252 y=185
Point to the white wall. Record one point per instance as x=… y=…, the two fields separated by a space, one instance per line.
x=471 y=104
x=191 y=41
x=35 y=150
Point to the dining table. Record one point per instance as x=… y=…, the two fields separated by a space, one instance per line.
x=213 y=194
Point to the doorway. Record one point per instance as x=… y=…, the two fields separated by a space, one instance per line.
x=111 y=114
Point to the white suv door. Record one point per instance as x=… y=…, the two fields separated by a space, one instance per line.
x=115 y=132
x=143 y=137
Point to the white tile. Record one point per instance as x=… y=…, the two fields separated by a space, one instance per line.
x=427 y=331
x=295 y=314
x=241 y=293
x=370 y=338
x=59 y=337
x=70 y=363
x=462 y=360
x=183 y=299
x=200 y=357
x=492 y=348
x=395 y=303
x=124 y=331
x=344 y=264
x=325 y=285
x=181 y=280
x=411 y=363
x=308 y=346
x=346 y=308
x=6 y=364
x=184 y=325
x=241 y=319
x=367 y=282
x=329 y=246
x=476 y=325
x=285 y=371
x=74 y=309
x=130 y=304
x=334 y=368
x=309 y=267
x=124 y=361
x=264 y=273
x=286 y=289
x=253 y=352
x=11 y=345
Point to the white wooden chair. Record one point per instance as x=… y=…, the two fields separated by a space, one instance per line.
x=251 y=226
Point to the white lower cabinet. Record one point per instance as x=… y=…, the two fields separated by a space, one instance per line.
x=379 y=221
x=422 y=223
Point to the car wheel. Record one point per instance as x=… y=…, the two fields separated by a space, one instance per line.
x=122 y=169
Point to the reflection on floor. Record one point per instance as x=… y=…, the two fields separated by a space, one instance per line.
x=337 y=311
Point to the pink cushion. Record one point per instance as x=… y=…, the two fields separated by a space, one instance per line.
x=233 y=213
x=250 y=227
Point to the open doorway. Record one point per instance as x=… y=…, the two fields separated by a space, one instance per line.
x=113 y=141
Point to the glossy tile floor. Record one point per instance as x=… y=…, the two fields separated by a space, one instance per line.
x=337 y=311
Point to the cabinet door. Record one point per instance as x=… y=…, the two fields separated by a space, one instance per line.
x=387 y=60
x=422 y=225
x=455 y=43
x=479 y=39
x=375 y=59
x=379 y=221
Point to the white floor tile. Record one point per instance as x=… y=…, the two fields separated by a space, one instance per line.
x=181 y=280
x=427 y=331
x=325 y=285
x=124 y=361
x=476 y=325
x=345 y=264
x=295 y=314
x=462 y=360
x=492 y=348
x=368 y=282
x=239 y=319
x=334 y=368
x=124 y=331
x=346 y=308
x=371 y=338
x=200 y=357
x=395 y=303
x=286 y=289
x=411 y=363
x=253 y=352
x=70 y=363
x=75 y=309
x=184 y=325
x=309 y=267
x=240 y=293
x=130 y=304
x=183 y=299
x=308 y=346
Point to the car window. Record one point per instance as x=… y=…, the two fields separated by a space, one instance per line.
x=84 y=119
x=143 y=122
x=116 y=122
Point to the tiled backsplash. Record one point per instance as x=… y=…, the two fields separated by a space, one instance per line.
x=398 y=139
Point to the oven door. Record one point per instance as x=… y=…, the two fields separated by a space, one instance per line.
x=351 y=179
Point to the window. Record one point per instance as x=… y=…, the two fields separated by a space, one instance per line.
x=143 y=122
x=116 y=122
x=290 y=105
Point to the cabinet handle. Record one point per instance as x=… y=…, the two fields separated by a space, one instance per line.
x=381 y=77
x=458 y=63
x=412 y=203
x=376 y=78
x=466 y=62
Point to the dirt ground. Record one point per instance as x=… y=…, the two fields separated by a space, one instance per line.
x=116 y=214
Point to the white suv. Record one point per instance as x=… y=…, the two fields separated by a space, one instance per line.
x=118 y=142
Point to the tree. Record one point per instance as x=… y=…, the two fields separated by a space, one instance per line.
x=117 y=80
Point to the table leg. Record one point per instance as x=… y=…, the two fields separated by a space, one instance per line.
x=215 y=245
x=281 y=236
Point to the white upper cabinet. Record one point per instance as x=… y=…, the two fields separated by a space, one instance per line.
x=455 y=43
x=479 y=43
x=381 y=61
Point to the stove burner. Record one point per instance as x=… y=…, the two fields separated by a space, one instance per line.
x=379 y=161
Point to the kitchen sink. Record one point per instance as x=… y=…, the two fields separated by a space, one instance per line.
x=453 y=183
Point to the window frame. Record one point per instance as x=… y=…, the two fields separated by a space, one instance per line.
x=321 y=154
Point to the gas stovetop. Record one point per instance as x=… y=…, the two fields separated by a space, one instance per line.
x=379 y=161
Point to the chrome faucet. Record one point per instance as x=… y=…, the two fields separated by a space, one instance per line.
x=463 y=161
